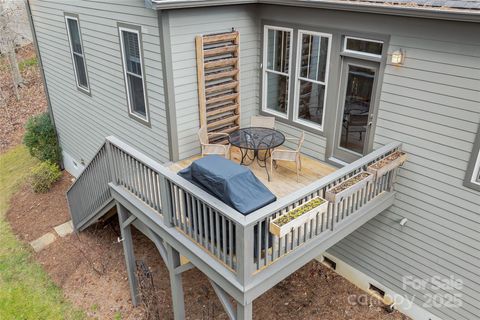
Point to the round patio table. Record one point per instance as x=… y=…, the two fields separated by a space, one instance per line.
x=256 y=139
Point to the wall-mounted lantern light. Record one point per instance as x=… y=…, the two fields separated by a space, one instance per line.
x=398 y=57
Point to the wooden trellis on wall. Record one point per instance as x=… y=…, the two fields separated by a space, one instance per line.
x=218 y=82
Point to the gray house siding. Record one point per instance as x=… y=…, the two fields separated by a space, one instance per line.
x=184 y=26
x=432 y=105
x=84 y=121
x=314 y=145
x=434 y=109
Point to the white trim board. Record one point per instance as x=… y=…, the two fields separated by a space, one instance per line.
x=73 y=53
x=476 y=171
x=265 y=70
x=146 y=118
x=363 y=282
x=298 y=78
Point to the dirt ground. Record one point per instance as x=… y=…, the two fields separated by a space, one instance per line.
x=90 y=269
x=14 y=114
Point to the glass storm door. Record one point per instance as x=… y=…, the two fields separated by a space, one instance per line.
x=355 y=112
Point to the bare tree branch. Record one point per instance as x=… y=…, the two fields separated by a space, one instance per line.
x=9 y=19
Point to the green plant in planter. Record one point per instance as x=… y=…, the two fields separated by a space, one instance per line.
x=350 y=182
x=41 y=140
x=297 y=212
x=43 y=176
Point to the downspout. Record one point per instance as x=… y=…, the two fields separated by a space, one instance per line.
x=40 y=65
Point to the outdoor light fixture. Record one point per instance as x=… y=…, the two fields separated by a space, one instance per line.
x=398 y=57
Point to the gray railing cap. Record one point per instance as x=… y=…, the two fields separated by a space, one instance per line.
x=316 y=185
x=186 y=185
x=261 y=213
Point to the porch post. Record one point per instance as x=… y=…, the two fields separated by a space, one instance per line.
x=244 y=312
x=127 y=242
x=173 y=261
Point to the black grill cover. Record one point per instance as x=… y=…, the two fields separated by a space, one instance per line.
x=232 y=183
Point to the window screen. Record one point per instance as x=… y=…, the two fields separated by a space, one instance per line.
x=78 y=56
x=134 y=73
x=313 y=54
x=277 y=51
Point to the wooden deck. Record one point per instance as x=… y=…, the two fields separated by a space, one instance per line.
x=220 y=241
x=284 y=178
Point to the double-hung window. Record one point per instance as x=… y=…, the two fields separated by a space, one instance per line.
x=77 y=52
x=276 y=70
x=313 y=55
x=476 y=171
x=130 y=41
x=472 y=177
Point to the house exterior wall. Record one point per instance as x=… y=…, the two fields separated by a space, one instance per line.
x=184 y=26
x=432 y=105
x=84 y=121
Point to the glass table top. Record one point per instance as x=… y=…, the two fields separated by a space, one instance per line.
x=256 y=138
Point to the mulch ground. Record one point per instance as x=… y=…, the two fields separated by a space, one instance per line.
x=14 y=114
x=90 y=269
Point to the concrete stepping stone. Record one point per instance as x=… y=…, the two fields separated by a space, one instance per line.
x=64 y=229
x=43 y=242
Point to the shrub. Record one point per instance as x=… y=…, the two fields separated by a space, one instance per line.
x=41 y=140
x=43 y=176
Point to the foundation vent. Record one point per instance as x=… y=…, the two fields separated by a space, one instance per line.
x=329 y=263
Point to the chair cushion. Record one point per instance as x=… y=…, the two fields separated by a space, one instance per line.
x=232 y=183
x=214 y=149
x=279 y=154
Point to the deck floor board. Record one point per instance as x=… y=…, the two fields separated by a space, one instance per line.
x=284 y=180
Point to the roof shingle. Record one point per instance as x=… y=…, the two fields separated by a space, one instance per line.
x=454 y=4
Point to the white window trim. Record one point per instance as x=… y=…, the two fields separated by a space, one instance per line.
x=298 y=78
x=361 y=52
x=476 y=171
x=72 y=53
x=145 y=118
x=265 y=70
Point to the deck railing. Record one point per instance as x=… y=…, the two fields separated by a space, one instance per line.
x=257 y=224
x=90 y=192
x=243 y=244
x=205 y=220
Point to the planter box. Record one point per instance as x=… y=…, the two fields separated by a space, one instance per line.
x=280 y=228
x=387 y=164
x=348 y=187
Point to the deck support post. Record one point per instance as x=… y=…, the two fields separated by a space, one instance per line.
x=126 y=232
x=244 y=311
x=173 y=262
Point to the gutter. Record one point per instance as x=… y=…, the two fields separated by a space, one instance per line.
x=42 y=71
x=356 y=6
x=180 y=4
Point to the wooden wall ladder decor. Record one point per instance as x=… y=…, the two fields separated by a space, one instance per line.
x=218 y=82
